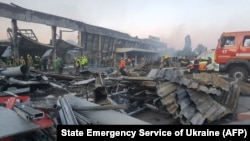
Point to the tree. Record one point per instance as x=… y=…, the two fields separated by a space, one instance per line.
x=199 y=49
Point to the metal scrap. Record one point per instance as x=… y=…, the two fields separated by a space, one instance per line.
x=167 y=91
x=66 y=112
x=14 y=124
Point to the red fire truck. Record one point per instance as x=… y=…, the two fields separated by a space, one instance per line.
x=233 y=54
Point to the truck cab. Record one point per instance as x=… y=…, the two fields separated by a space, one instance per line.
x=233 y=54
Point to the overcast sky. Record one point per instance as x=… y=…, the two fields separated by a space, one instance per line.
x=170 y=20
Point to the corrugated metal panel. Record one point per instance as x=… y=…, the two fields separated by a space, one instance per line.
x=152 y=73
x=173 y=75
x=197 y=119
x=202 y=80
x=208 y=107
x=208 y=78
x=177 y=76
x=160 y=73
x=166 y=89
x=193 y=85
x=197 y=102
x=187 y=107
x=229 y=99
x=185 y=81
x=188 y=112
x=171 y=105
x=184 y=102
x=193 y=105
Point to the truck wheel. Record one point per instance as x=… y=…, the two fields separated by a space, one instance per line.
x=239 y=73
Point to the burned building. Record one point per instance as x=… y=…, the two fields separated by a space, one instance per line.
x=101 y=45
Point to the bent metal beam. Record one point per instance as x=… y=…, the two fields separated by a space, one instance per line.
x=23 y=14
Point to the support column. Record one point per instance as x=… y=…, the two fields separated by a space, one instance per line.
x=99 y=50
x=81 y=38
x=60 y=34
x=53 y=42
x=15 y=48
x=82 y=42
x=124 y=55
x=126 y=44
x=136 y=59
x=114 y=54
x=93 y=56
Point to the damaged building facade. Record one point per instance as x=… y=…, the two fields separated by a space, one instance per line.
x=103 y=47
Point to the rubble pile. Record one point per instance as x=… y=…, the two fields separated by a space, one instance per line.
x=192 y=101
x=100 y=98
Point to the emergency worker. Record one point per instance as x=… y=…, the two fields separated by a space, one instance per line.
x=129 y=61
x=143 y=61
x=50 y=62
x=133 y=62
x=84 y=62
x=16 y=61
x=166 y=61
x=58 y=65
x=77 y=65
x=11 y=61
x=22 y=61
x=209 y=61
x=196 y=67
x=161 y=62
x=29 y=61
x=45 y=63
x=209 y=65
x=37 y=63
x=61 y=65
x=184 y=61
x=122 y=66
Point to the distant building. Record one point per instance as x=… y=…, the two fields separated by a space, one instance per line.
x=154 y=38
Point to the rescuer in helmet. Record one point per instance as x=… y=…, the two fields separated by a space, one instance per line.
x=77 y=65
x=22 y=61
x=29 y=60
x=166 y=61
x=184 y=61
x=37 y=63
